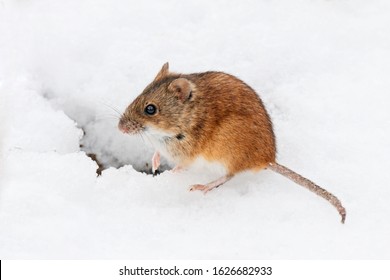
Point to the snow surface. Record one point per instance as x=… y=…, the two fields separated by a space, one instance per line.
x=321 y=67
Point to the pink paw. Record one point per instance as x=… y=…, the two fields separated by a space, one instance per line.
x=198 y=187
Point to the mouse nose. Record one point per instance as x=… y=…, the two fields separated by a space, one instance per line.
x=123 y=127
x=129 y=126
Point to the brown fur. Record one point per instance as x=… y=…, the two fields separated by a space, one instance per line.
x=211 y=114
x=224 y=120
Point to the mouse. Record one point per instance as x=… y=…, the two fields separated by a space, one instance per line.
x=210 y=115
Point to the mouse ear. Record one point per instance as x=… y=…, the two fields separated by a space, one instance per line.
x=182 y=88
x=163 y=72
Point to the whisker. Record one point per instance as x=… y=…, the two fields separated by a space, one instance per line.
x=107 y=118
x=140 y=134
x=108 y=115
x=151 y=142
x=112 y=108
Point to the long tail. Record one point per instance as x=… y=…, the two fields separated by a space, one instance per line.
x=300 y=180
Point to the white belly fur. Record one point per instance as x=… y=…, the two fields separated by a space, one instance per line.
x=202 y=165
x=156 y=138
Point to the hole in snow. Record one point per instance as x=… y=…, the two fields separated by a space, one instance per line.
x=107 y=152
x=102 y=141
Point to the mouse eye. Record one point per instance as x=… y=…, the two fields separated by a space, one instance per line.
x=150 y=109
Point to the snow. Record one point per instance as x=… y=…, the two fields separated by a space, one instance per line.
x=69 y=68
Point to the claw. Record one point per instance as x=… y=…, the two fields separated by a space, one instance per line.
x=156 y=172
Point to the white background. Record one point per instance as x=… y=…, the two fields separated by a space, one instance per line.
x=305 y=270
